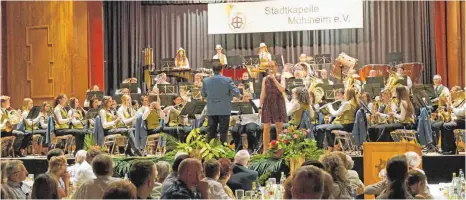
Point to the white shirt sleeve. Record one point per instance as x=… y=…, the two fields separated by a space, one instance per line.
x=403 y=113
x=344 y=107
x=60 y=119
x=120 y=112
x=74 y=121
x=29 y=121
x=460 y=112
x=43 y=123
x=103 y=119
x=409 y=83
x=293 y=108
x=146 y=113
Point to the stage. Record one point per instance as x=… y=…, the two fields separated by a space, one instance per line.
x=438 y=168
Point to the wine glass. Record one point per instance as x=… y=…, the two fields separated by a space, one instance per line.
x=239 y=194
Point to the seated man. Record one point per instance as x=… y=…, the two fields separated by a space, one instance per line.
x=247 y=125
x=307 y=183
x=84 y=172
x=102 y=165
x=16 y=173
x=173 y=176
x=189 y=184
x=152 y=117
x=212 y=173
x=241 y=174
x=142 y=174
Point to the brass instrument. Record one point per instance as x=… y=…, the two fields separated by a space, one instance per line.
x=392 y=81
x=316 y=89
x=374 y=118
x=14 y=117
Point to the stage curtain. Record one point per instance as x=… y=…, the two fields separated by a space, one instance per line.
x=399 y=26
x=450 y=40
x=123 y=36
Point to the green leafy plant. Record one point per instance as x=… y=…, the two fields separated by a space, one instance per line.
x=89 y=143
x=197 y=146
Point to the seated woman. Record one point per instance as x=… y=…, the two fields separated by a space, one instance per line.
x=178 y=124
x=152 y=117
x=112 y=125
x=344 y=119
x=95 y=104
x=31 y=125
x=417 y=184
x=247 y=124
x=299 y=104
x=404 y=115
x=126 y=112
x=78 y=121
x=63 y=122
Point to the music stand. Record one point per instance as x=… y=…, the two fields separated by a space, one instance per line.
x=241 y=108
x=195 y=93
x=167 y=63
x=117 y=98
x=132 y=87
x=235 y=60
x=152 y=98
x=427 y=88
x=292 y=83
x=330 y=90
x=167 y=89
x=185 y=85
x=394 y=58
x=375 y=80
x=166 y=100
x=278 y=59
x=95 y=94
x=92 y=113
x=373 y=89
x=33 y=114
x=322 y=59
x=193 y=108
x=251 y=60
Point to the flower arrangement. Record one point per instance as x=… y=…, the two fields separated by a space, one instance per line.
x=294 y=144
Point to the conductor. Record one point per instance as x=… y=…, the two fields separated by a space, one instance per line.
x=219 y=91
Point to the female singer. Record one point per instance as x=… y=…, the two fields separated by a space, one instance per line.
x=63 y=120
x=77 y=122
x=112 y=125
x=299 y=103
x=181 y=60
x=344 y=119
x=152 y=117
x=272 y=104
x=176 y=120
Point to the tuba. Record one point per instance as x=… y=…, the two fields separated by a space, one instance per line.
x=14 y=117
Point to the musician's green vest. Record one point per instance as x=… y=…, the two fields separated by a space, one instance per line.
x=153 y=120
x=109 y=118
x=348 y=116
x=64 y=115
x=80 y=125
x=175 y=119
x=409 y=117
x=120 y=123
x=296 y=116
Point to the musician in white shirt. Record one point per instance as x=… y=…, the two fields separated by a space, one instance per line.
x=324 y=77
x=181 y=61
x=264 y=55
x=246 y=124
x=222 y=57
x=303 y=64
x=126 y=111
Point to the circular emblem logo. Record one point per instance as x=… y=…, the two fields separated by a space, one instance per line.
x=237 y=21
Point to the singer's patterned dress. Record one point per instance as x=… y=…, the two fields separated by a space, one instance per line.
x=273 y=108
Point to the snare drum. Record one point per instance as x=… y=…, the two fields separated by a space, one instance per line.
x=343 y=63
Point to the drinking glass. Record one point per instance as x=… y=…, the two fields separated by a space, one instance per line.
x=239 y=194
x=249 y=194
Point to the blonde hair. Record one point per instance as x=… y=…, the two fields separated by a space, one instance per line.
x=26 y=101
x=56 y=163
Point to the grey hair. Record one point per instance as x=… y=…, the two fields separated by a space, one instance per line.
x=350 y=163
x=242 y=156
x=437 y=76
x=163 y=169
x=413 y=159
x=302 y=95
x=81 y=156
x=12 y=167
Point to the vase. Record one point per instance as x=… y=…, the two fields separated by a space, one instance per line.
x=295 y=163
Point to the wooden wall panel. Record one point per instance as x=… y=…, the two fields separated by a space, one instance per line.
x=58 y=54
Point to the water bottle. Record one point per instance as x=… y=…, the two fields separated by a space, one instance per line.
x=461 y=176
x=282 y=178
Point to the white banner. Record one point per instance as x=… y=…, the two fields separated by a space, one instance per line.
x=284 y=15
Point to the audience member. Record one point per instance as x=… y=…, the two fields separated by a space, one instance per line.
x=189 y=182
x=5 y=191
x=120 y=190
x=353 y=176
x=142 y=174
x=212 y=174
x=325 y=176
x=16 y=173
x=173 y=176
x=328 y=185
x=79 y=158
x=226 y=169
x=334 y=166
x=57 y=171
x=417 y=185
x=397 y=171
x=241 y=174
x=44 y=187
x=85 y=172
x=414 y=160
x=102 y=167
x=307 y=183
x=54 y=152
x=163 y=169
